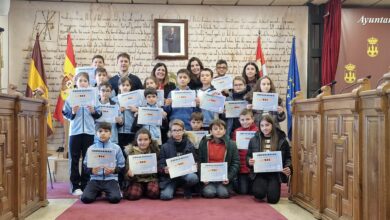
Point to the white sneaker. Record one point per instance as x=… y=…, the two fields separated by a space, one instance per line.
x=77 y=192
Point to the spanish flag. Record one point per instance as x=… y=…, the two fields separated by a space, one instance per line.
x=37 y=81
x=67 y=81
x=260 y=58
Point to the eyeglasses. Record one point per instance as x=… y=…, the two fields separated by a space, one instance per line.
x=177 y=131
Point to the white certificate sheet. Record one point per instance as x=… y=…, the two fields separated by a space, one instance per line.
x=234 y=108
x=266 y=162
x=243 y=138
x=213 y=172
x=91 y=73
x=132 y=98
x=109 y=112
x=198 y=136
x=222 y=83
x=265 y=101
x=183 y=98
x=143 y=163
x=214 y=103
x=83 y=97
x=160 y=97
x=100 y=157
x=181 y=165
x=149 y=116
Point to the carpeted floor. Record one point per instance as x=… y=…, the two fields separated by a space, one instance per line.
x=237 y=207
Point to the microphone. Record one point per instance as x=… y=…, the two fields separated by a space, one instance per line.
x=354 y=84
x=329 y=84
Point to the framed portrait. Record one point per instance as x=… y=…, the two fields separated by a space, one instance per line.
x=171 y=39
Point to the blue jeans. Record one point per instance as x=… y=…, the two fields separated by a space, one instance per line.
x=187 y=181
x=215 y=189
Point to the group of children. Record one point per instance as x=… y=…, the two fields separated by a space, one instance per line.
x=172 y=138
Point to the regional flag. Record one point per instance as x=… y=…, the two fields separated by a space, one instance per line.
x=37 y=81
x=260 y=58
x=293 y=85
x=67 y=81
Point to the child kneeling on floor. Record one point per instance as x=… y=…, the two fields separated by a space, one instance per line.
x=104 y=179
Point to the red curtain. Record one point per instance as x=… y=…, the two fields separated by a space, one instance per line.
x=331 y=41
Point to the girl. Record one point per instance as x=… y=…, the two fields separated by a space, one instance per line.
x=81 y=135
x=265 y=84
x=151 y=82
x=268 y=138
x=146 y=183
x=250 y=74
x=194 y=66
x=160 y=72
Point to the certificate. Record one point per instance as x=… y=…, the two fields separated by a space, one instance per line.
x=91 y=73
x=268 y=162
x=160 y=97
x=198 y=136
x=234 y=108
x=265 y=101
x=83 y=97
x=149 y=116
x=222 y=83
x=100 y=157
x=213 y=172
x=181 y=165
x=109 y=112
x=130 y=99
x=143 y=163
x=214 y=103
x=183 y=98
x=243 y=138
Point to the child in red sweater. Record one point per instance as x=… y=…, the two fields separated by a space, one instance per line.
x=247 y=124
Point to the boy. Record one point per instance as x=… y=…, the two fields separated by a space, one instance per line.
x=184 y=114
x=196 y=121
x=206 y=75
x=221 y=68
x=101 y=76
x=104 y=179
x=217 y=148
x=247 y=122
x=123 y=62
x=178 y=144
x=98 y=61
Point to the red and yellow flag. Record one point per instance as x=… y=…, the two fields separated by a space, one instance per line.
x=260 y=58
x=67 y=81
x=37 y=81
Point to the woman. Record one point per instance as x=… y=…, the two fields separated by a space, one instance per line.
x=160 y=72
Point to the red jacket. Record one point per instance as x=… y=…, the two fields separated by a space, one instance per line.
x=242 y=153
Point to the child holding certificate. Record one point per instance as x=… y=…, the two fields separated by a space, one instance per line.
x=218 y=148
x=177 y=145
x=145 y=184
x=265 y=84
x=269 y=138
x=101 y=76
x=183 y=113
x=81 y=135
x=104 y=179
x=206 y=75
x=247 y=122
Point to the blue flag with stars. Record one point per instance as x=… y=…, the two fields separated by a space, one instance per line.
x=293 y=85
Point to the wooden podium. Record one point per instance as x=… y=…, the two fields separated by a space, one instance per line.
x=23 y=156
x=341 y=153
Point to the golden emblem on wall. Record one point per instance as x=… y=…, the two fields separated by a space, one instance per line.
x=372 y=47
x=350 y=75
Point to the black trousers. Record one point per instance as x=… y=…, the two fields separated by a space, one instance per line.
x=267 y=185
x=96 y=187
x=78 y=146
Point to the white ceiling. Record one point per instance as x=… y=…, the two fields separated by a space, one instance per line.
x=346 y=3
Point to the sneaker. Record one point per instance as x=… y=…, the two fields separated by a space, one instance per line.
x=77 y=192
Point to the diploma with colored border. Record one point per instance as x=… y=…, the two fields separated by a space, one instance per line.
x=266 y=162
x=222 y=83
x=181 y=165
x=132 y=98
x=109 y=112
x=243 y=138
x=213 y=172
x=214 y=103
x=149 y=116
x=265 y=101
x=100 y=157
x=183 y=98
x=234 y=108
x=143 y=163
x=83 y=97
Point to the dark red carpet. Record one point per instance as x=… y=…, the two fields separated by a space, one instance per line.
x=237 y=207
x=59 y=191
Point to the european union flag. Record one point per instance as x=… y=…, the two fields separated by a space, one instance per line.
x=293 y=85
